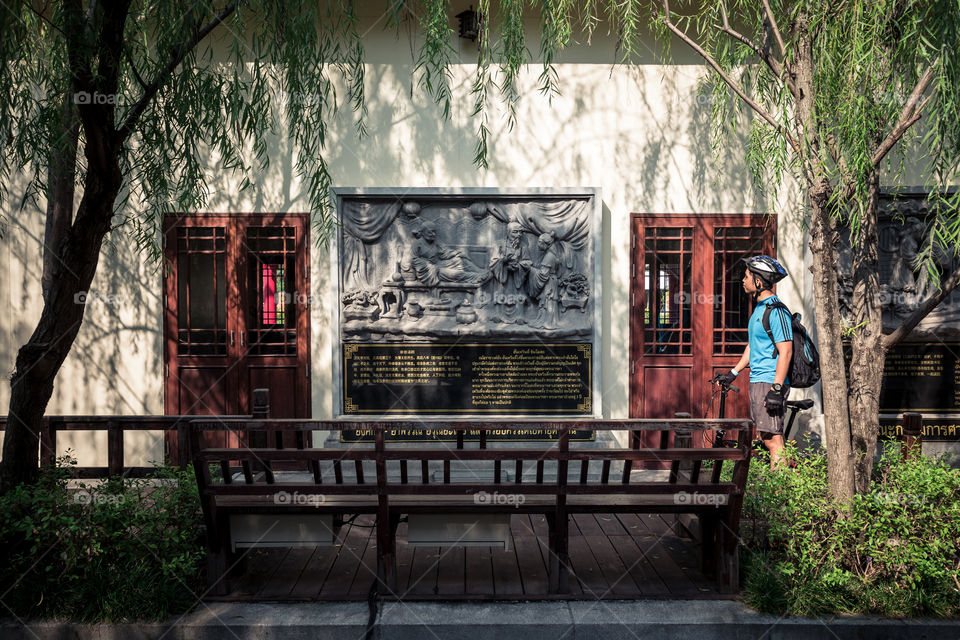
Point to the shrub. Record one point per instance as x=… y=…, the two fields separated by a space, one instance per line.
x=893 y=551
x=117 y=550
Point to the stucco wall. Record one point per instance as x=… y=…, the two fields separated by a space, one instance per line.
x=639 y=133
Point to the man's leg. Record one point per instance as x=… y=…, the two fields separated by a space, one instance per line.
x=774 y=444
x=769 y=426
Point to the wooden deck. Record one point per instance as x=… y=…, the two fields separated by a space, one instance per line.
x=611 y=557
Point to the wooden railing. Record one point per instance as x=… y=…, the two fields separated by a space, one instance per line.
x=115 y=426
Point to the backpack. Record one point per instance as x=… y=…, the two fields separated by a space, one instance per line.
x=804 y=368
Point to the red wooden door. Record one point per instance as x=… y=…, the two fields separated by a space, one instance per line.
x=274 y=322
x=237 y=318
x=688 y=309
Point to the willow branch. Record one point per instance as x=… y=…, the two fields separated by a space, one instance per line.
x=775 y=65
x=164 y=74
x=133 y=68
x=910 y=113
x=776 y=33
x=726 y=78
x=921 y=312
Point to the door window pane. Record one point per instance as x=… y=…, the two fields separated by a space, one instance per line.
x=732 y=306
x=201 y=291
x=272 y=327
x=273 y=284
x=667 y=284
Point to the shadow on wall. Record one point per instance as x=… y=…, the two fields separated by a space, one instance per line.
x=643 y=138
x=114 y=366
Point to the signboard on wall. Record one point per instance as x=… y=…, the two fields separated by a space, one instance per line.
x=469 y=303
x=922 y=374
x=922 y=377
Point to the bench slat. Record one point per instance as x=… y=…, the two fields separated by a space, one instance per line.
x=717 y=468
x=695 y=471
x=664 y=455
x=295 y=424
x=464 y=488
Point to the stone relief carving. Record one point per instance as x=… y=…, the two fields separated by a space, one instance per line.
x=902 y=232
x=419 y=270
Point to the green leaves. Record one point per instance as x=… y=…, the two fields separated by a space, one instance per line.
x=892 y=551
x=434 y=58
x=118 y=551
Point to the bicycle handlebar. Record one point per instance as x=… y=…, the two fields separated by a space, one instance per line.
x=716 y=380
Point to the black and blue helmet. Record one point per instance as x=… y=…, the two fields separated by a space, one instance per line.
x=766 y=268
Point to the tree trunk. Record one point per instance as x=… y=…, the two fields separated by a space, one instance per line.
x=868 y=351
x=832 y=366
x=836 y=416
x=96 y=39
x=62 y=175
x=39 y=360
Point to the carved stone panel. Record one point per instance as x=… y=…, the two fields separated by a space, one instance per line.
x=903 y=228
x=472 y=302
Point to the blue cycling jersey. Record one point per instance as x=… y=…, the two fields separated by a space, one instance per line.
x=763 y=353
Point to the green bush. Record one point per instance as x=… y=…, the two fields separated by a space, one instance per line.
x=894 y=551
x=117 y=550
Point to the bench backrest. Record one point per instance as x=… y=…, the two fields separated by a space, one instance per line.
x=377 y=468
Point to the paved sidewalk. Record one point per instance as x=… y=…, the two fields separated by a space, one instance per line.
x=626 y=620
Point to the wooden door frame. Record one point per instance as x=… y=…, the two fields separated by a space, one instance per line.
x=171 y=299
x=234 y=224
x=301 y=290
x=701 y=271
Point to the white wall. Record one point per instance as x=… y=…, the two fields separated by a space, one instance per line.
x=639 y=133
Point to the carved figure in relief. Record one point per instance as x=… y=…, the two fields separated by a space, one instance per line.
x=434 y=263
x=511 y=265
x=544 y=282
x=902 y=274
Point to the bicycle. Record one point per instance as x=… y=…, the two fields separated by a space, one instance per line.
x=723 y=389
x=792 y=406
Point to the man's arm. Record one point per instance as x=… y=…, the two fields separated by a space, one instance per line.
x=744 y=360
x=784 y=354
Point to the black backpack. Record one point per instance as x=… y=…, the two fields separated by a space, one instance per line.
x=805 y=365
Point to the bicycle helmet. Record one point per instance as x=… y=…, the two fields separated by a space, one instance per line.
x=766 y=268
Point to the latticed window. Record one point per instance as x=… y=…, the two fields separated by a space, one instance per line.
x=666 y=272
x=270 y=262
x=731 y=305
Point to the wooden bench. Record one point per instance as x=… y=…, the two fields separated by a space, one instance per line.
x=392 y=480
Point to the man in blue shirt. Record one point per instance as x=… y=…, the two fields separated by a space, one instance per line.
x=769 y=360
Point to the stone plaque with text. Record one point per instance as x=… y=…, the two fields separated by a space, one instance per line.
x=467 y=303
x=922 y=377
x=520 y=379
